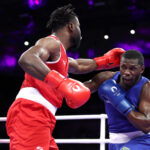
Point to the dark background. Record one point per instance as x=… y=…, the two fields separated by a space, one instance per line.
x=21 y=22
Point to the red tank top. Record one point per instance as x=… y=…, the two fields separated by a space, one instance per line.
x=52 y=95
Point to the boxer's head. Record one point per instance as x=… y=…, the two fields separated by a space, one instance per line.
x=65 y=18
x=131 y=67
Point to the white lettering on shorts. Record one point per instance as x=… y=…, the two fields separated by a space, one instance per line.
x=39 y=148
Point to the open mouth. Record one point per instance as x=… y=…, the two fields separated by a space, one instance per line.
x=127 y=81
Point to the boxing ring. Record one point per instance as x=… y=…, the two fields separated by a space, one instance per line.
x=102 y=135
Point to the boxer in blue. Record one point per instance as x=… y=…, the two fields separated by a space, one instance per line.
x=126 y=95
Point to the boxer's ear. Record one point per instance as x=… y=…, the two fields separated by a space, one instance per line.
x=71 y=27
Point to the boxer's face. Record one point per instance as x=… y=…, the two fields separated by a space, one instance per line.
x=76 y=34
x=130 y=71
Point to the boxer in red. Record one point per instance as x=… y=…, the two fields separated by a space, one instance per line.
x=31 y=117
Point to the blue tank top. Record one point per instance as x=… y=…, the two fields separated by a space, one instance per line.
x=118 y=123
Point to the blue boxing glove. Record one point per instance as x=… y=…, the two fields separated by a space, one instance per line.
x=112 y=92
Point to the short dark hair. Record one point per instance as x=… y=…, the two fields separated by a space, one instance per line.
x=60 y=17
x=134 y=54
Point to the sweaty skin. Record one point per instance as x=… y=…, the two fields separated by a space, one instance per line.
x=45 y=49
x=130 y=74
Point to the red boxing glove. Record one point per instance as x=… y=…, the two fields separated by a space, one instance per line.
x=75 y=93
x=110 y=60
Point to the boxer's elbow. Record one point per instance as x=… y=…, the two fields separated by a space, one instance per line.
x=146 y=128
x=24 y=61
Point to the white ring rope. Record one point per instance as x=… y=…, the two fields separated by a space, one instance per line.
x=102 y=141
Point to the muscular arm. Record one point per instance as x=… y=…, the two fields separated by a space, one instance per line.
x=79 y=66
x=111 y=59
x=141 y=118
x=32 y=60
x=97 y=80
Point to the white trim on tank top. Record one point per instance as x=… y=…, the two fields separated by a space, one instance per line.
x=30 y=93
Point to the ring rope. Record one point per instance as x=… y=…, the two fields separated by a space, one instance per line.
x=102 y=141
